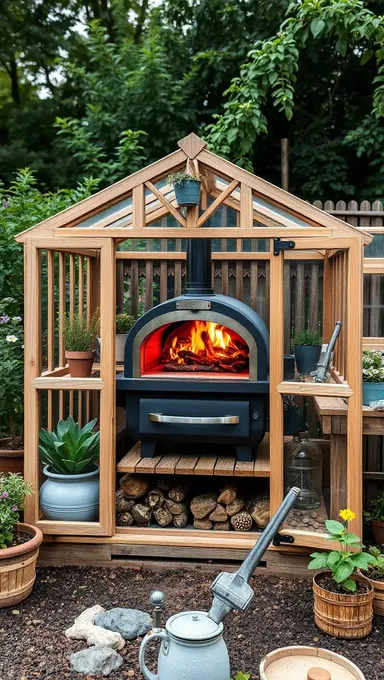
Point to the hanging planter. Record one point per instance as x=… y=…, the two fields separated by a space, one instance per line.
x=187 y=188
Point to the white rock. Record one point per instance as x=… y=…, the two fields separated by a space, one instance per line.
x=99 y=660
x=84 y=629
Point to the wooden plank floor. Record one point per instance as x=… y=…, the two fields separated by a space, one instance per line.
x=192 y=464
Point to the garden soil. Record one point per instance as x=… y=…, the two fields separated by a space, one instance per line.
x=33 y=645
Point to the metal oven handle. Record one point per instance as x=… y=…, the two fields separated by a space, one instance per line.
x=190 y=420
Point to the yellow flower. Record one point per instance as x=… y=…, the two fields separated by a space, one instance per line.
x=347 y=515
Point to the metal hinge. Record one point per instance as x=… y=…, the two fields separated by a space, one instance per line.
x=279 y=245
x=282 y=538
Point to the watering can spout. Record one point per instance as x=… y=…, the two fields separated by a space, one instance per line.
x=232 y=590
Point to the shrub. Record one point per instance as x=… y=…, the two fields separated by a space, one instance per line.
x=376 y=508
x=376 y=568
x=11 y=372
x=124 y=323
x=307 y=336
x=13 y=491
x=373 y=369
x=79 y=334
x=71 y=450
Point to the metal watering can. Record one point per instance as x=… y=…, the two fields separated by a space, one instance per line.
x=192 y=646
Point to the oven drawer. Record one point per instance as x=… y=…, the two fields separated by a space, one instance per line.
x=193 y=416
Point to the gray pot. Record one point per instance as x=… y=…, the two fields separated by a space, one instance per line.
x=71 y=497
x=306 y=357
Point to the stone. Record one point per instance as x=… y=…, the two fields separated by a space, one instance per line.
x=204 y=504
x=180 y=521
x=174 y=507
x=84 y=628
x=154 y=498
x=227 y=494
x=242 y=521
x=124 y=519
x=202 y=523
x=97 y=660
x=222 y=526
x=142 y=514
x=123 y=504
x=314 y=515
x=305 y=520
x=178 y=493
x=258 y=508
x=219 y=514
x=235 y=507
x=162 y=516
x=130 y=623
x=134 y=486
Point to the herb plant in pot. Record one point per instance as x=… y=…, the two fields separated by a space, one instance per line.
x=11 y=390
x=124 y=323
x=19 y=543
x=375 y=515
x=79 y=339
x=71 y=491
x=373 y=376
x=187 y=188
x=307 y=348
x=342 y=596
x=375 y=574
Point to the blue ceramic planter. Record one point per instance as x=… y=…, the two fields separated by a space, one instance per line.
x=372 y=392
x=70 y=497
x=306 y=357
x=188 y=194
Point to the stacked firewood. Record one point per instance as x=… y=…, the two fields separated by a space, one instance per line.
x=226 y=509
x=138 y=503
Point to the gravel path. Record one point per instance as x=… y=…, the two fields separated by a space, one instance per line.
x=33 y=646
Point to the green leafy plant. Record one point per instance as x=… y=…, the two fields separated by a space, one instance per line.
x=178 y=179
x=79 y=334
x=11 y=372
x=373 y=368
x=71 y=450
x=13 y=491
x=307 y=336
x=344 y=562
x=124 y=323
x=241 y=676
x=376 y=568
x=375 y=510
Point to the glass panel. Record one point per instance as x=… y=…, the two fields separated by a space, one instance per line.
x=92 y=221
x=376 y=247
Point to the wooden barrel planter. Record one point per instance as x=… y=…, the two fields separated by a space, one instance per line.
x=343 y=616
x=378 y=596
x=11 y=460
x=18 y=568
x=293 y=662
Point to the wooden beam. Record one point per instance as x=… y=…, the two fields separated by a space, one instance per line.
x=338 y=474
x=218 y=201
x=167 y=205
x=67 y=383
x=138 y=207
x=315 y=389
x=276 y=372
x=373 y=343
x=246 y=206
x=306 y=239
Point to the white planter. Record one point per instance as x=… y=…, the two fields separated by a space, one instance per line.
x=121 y=339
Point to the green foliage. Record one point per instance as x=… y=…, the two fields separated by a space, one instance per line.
x=11 y=372
x=79 y=334
x=373 y=368
x=376 y=508
x=241 y=676
x=13 y=491
x=71 y=450
x=307 y=336
x=178 y=179
x=376 y=568
x=124 y=323
x=342 y=563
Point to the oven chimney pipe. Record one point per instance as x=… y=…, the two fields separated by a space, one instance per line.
x=199 y=274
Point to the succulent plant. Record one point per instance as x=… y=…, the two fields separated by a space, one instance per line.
x=71 y=450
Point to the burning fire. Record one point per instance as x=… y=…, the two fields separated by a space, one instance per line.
x=205 y=345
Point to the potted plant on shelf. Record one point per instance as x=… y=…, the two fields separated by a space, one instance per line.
x=124 y=323
x=342 y=596
x=375 y=574
x=11 y=388
x=307 y=348
x=79 y=339
x=373 y=376
x=187 y=188
x=375 y=515
x=19 y=543
x=71 y=492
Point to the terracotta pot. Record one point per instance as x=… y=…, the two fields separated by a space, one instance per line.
x=11 y=460
x=343 y=616
x=18 y=568
x=378 y=531
x=80 y=363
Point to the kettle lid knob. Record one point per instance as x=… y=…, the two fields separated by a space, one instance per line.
x=157 y=598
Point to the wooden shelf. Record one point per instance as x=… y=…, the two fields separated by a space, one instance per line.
x=67 y=383
x=194 y=464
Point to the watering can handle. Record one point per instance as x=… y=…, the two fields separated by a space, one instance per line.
x=162 y=635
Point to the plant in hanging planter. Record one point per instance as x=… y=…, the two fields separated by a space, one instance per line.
x=375 y=574
x=79 y=339
x=307 y=348
x=375 y=515
x=124 y=323
x=373 y=376
x=19 y=543
x=69 y=454
x=187 y=188
x=11 y=388
x=340 y=581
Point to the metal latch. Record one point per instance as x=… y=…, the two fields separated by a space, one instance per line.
x=282 y=538
x=279 y=245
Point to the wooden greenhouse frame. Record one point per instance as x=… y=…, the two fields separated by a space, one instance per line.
x=80 y=245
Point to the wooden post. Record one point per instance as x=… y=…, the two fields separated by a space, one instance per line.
x=108 y=393
x=327 y=298
x=32 y=369
x=284 y=163
x=276 y=373
x=338 y=473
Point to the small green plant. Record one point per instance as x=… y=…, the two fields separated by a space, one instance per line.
x=71 y=450
x=376 y=568
x=344 y=562
x=124 y=323
x=13 y=491
x=11 y=373
x=79 y=334
x=307 y=336
x=373 y=369
x=375 y=510
x=178 y=179
x=241 y=676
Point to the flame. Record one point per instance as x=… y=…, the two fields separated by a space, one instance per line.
x=205 y=343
